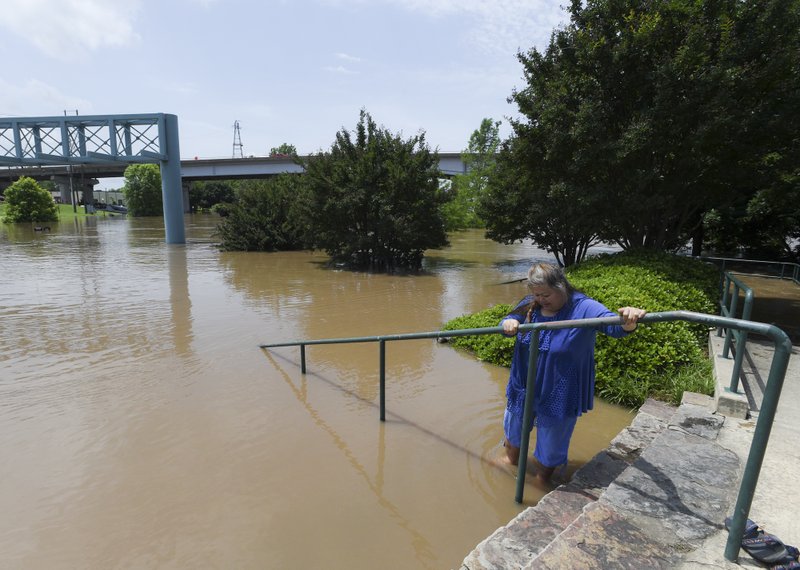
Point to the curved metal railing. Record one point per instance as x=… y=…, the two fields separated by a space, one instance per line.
x=772 y=391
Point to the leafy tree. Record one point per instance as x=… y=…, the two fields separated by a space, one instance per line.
x=543 y=185
x=268 y=215
x=26 y=201
x=285 y=149
x=204 y=195
x=551 y=211
x=647 y=114
x=375 y=198
x=480 y=158
x=142 y=190
x=761 y=96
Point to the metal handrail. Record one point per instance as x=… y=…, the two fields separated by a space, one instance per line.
x=728 y=308
x=784 y=265
x=772 y=391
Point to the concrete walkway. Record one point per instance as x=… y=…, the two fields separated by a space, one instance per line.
x=776 y=505
x=658 y=496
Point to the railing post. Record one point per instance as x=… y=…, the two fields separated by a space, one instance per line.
x=741 y=341
x=527 y=415
x=303 y=358
x=732 y=314
x=723 y=303
x=382 y=359
x=758 y=447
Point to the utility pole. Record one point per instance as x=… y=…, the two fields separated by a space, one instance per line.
x=237 y=141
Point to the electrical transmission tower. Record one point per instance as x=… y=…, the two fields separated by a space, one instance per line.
x=238 y=149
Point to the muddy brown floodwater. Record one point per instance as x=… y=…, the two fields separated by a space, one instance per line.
x=142 y=427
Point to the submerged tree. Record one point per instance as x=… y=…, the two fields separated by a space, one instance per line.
x=375 y=198
x=268 y=215
x=142 y=190
x=26 y=201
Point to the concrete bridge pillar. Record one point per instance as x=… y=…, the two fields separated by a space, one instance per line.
x=64 y=190
x=81 y=188
x=187 y=206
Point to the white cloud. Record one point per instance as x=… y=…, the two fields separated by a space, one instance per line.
x=340 y=69
x=498 y=26
x=37 y=98
x=64 y=29
x=347 y=57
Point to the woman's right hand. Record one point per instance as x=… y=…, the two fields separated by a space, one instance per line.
x=510 y=327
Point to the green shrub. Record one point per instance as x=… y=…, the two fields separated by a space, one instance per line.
x=493 y=348
x=659 y=360
x=268 y=215
x=27 y=201
x=142 y=190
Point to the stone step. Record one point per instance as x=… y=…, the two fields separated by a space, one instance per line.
x=659 y=488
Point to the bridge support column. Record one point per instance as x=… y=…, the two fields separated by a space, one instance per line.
x=171 y=188
x=87 y=189
x=62 y=185
x=187 y=206
x=79 y=189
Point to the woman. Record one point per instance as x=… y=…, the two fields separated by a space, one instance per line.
x=565 y=370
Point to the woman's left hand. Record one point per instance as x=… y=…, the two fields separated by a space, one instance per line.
x=630 y=317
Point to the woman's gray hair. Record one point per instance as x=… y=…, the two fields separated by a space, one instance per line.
x=549 y=275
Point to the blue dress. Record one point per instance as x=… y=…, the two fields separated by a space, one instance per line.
x=565 y=371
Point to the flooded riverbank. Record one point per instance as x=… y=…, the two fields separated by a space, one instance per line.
x=142 y=427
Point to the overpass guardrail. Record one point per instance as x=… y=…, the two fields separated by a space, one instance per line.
x=777 y=373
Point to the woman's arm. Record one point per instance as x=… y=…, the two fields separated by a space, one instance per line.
x=511 y=322
x=630 y=317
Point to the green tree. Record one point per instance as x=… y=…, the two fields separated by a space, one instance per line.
x=268 y=215
x=142 y=190
x=26 y=201
x=480 y=159
x=543 y=184
x=761 y=95
x=651 y=113
x=285 y=149
x=204 y=195
x=375 y=198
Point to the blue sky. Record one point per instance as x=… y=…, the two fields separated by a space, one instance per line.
x=288 y=71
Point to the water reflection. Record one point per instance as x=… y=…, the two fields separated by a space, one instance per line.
x=324 y=303
x=137 y=408
x=179 y=300
x=422 y=548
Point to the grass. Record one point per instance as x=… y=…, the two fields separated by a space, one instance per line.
x=65 y=212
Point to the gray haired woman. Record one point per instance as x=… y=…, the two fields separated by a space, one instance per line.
x=565 y=371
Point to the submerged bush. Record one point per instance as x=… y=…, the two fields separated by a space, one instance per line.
x=660 y=360
x=27 y=201
x=268 y=215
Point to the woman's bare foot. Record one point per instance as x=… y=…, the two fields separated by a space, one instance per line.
x=512 y=453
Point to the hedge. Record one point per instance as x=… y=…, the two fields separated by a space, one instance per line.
x=660 y=360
